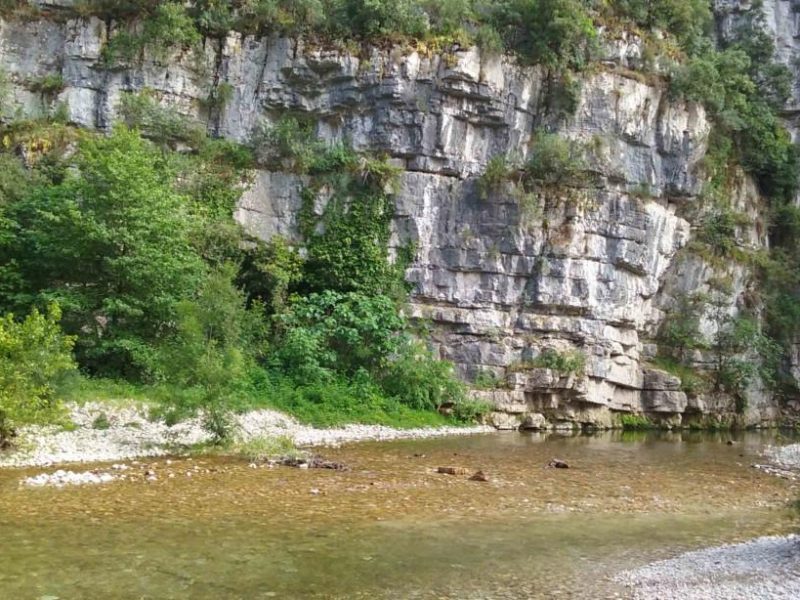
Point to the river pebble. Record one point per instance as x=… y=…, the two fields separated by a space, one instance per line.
x=766 y=568
x=61 y=478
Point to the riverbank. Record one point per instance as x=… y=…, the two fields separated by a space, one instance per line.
x=766 y=568
x=103 y=432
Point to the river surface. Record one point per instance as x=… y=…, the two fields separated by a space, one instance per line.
x=391 y=527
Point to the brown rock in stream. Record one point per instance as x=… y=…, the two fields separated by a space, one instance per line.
x=452 y=470
x=479 y=476
x=314 y=462
x=558 y=464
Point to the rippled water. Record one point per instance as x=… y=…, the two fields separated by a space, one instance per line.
x=391 y=527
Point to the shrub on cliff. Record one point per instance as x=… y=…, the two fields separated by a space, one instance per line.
x=35 y=358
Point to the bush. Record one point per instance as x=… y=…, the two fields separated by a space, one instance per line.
x=371 y=18
x=555 y=33
x=554 y=160
x=335 y=332
x=420 y=381
x=212 y=350
x=167 y=26
x=340 y=401
x=498 y=171
x=35 y=359
x=161 y=124
x=47 y=85
x=634 y=422
x=564 y=363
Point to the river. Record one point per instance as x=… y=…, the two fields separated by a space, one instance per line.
x=390 y=526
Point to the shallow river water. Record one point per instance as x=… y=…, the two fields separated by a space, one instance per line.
x=391 y=527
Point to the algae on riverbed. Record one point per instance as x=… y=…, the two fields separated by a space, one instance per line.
x=391 y=526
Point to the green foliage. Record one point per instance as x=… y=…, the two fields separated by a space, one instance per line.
x=688 y=20
x=168 y=26
x=341 y=401
x=554 y=160
x=680 y=330
x=219 y=97
x=422 y=382
x=564 y=363
x=111 y=242
x=719 y=230
x=743 y=89
x=101 y=422
x=35 y=359
x=635 y=422
x=372 y=18
x=347 y=245
x=693 y=382
x=47 y=85
x=330 y=337
x=334 y=332
x=555 y=33
x=498 y=171
x=736 y=342
x=161 y=124
x=264 y=448
x=212 y=349
x=487 y=380
x=270 y=272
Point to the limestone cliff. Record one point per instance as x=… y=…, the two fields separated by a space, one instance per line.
x=594 y=270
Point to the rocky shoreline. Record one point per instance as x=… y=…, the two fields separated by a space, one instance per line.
x=766 y=568
x=104 y=433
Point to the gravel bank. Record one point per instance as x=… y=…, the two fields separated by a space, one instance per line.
x=763 y=569
x=786 y=457
x=131 y=434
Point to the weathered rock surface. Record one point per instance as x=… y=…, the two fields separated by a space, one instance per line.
x=593 y=271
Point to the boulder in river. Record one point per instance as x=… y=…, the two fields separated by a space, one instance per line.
x=557 y=463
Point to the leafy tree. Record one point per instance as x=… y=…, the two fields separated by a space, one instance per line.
x=111 y=243
x=210 y=353
x=379 y=18
x=421 y=381
x=35 y=358
x=339 y=332
x=554 y=33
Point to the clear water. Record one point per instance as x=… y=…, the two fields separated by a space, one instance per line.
x=391 y=527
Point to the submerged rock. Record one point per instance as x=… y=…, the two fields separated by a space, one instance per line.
x=452 y=470
x=479 y=476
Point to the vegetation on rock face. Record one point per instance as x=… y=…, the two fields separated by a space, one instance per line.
x=154 y=283
x=137 y=245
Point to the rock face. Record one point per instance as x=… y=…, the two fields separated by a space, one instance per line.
x=590 y=270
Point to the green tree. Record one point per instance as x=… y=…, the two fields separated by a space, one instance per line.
x=553 y=33
x=209 y=355
x=111 y=243
x=35 y=358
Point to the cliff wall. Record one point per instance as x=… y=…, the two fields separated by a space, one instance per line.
x=590 y=268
